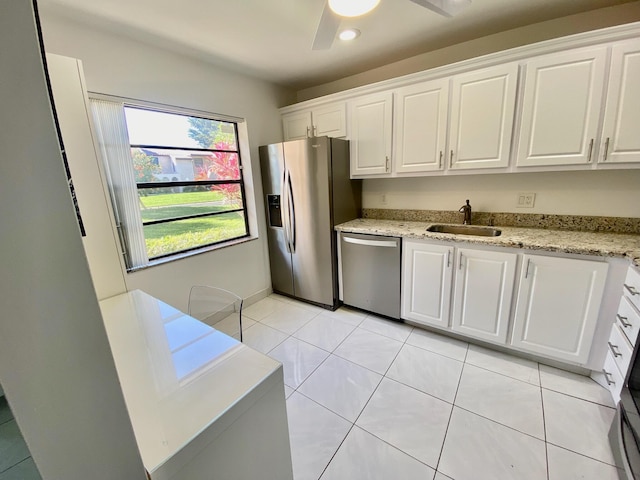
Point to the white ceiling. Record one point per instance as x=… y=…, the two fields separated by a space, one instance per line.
x=272 y=39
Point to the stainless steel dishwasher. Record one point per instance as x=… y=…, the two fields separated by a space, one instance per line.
x=371 y=273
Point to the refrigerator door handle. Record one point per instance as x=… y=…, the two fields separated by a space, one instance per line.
x=292 y=215
x=285 y=209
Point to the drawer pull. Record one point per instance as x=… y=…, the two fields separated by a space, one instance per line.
x=623 y=321
x=606 y=377
x=632 y=290
x=614 y=350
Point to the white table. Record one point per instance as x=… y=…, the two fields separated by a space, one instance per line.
x=202 y=405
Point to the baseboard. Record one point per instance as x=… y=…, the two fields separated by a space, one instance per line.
x=256 y=297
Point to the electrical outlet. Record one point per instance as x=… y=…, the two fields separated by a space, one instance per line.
x=383 y=199
x=526 y=200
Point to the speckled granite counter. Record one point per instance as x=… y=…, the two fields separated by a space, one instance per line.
x=584 y=243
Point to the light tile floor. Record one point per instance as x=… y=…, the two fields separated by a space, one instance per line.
x=15 y=460
x=369 y=398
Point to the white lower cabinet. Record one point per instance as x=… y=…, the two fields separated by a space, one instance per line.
x=426 y=280
x=623 y=337
x=482 y=294
x=470 y=291
x=557 y=306
x=482 y=288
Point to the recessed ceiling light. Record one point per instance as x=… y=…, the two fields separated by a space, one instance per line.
x=349 y=34
x=352 y=8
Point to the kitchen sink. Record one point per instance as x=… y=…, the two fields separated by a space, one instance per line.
x=465 y=230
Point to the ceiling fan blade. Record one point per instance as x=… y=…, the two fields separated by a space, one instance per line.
x=327 y=29
x=448 y=8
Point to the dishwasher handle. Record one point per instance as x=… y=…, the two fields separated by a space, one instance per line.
x=372 y=243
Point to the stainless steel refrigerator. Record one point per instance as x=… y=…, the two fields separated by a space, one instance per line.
x=307 y=192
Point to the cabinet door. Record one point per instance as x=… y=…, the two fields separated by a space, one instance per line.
x=297 y=125
x=426 y=283
x=557 y=306
x=421 y=126
x=620 y=137
x=483 y=293
x=561 y=108
x=330 y=121
x=370 y=132
x=482 y=112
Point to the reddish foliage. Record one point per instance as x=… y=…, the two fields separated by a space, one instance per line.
x=222 y=166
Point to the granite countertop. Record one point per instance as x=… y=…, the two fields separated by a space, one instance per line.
x=585 y=243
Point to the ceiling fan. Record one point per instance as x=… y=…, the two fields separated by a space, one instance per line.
x=334 y=12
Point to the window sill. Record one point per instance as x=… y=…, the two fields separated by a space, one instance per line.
x=191 y=253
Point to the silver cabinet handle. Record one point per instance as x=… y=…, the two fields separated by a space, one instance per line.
x=460 y=264
x=614 y=350
x=448 y=258
x=590 y=151
x=308 y=129
x=632 y=290
x=386 y=164
x=440 y=161
x=371 y=243
x=526 y=270
x=606 y=377
x=623 y=320
x=315 y=130
x=451 y=159
x=606 y=149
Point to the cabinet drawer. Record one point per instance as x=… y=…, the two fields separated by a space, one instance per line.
x=613 y=377
x=632 y=286
x=620 y=348
x=628 y=319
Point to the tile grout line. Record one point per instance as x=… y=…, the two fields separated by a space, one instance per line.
x=544 y=426
x=583 y=455
x=453 y=405
x=353 y=424
x=321 y=363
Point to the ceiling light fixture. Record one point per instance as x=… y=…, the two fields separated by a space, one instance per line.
x=352 y=8
x=349 y=34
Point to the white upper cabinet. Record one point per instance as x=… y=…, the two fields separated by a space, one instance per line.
x=421 y=126
x=481 y=118
x=482 y=295
x=563 y=95
x=329 y=120
x=520 y=110
x=621 y=130
x=557 y=306
x=370 y=134
x=426 y=282
x=297 y=125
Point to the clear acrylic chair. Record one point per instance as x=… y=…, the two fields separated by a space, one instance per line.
x=218 y=308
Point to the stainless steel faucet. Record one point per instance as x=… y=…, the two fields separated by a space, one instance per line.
x=466 y=209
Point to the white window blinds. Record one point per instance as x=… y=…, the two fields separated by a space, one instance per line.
x=111 y=132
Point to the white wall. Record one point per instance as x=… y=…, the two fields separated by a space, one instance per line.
x=55 y=363
x=610 y=193
x=100 y=240
x=118 y=66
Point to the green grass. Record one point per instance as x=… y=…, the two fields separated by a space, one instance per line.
x=166 y=238
x=166 y=199
x=171 y=237
x=160 y=213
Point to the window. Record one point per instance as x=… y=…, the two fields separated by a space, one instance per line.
x=176 y=179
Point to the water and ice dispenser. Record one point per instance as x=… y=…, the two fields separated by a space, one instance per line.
x=275 y=212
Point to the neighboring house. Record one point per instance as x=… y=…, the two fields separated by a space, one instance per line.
x=177 y=165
